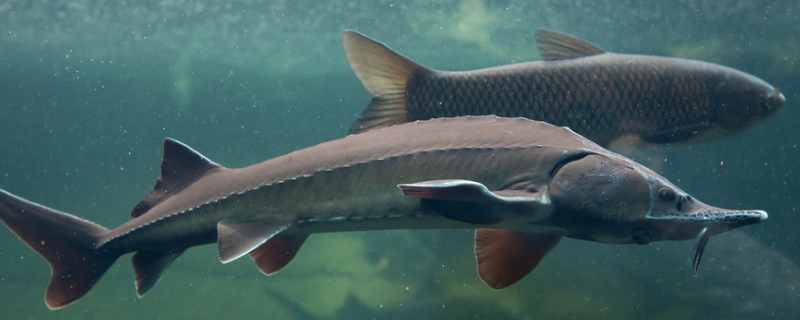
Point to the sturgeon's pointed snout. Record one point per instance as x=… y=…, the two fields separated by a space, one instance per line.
x=734 y=218
x=685 y=217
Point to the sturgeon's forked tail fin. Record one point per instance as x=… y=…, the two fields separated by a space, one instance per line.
x=385 y=73
x=65 y=241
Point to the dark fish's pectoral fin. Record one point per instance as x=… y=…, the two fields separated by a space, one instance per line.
x=469 y=201
x=149 y=266
x=505 y=256
x=237 y=239
x=385 y=74
x=180 y=166
x=277 y=252
x=676 y=134
x=555 y=45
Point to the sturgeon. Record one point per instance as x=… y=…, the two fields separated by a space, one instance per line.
x=522 y=184
x=606 y=97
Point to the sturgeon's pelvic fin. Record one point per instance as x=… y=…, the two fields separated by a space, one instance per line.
x=554 y=45
x=68 y=243
x=277 y=252
x=385 y=74
x=270 y=250
x=235 y=240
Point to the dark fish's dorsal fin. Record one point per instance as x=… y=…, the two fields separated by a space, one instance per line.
x=385 y=74
x=277 y=252
x=180 y=166
x=149 y=266
x=469 y=201
x=506 y=256
x=237 y=239
x=554 y=45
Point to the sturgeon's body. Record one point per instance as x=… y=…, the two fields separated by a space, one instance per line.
x=530 y=182
x=603 y=96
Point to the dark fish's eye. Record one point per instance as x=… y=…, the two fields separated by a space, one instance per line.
x=771 y=102
x=666 y=194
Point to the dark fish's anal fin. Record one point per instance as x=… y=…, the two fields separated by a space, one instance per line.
x=65 y=241
x=505 y=256
x=237 y=239
x=555 y=45
x=385 y=73
x=149 y=266
x=470 y=201
x=277 y=252
x=180 y=166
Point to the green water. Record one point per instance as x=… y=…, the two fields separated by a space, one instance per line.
x=89 y=90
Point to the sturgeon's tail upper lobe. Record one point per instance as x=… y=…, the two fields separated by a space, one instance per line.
x=67 y=242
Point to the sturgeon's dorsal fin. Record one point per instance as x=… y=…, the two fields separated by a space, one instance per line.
x=470 y=201
x=180 y=166
x=554 y=45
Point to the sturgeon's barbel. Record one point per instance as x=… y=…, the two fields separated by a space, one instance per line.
x=523 y=184
x=603 y=96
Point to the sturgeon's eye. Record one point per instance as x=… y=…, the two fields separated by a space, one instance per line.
x=666 y=194
x=771 y=102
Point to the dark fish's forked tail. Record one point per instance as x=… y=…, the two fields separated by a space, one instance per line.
x=65 y=241
x=385 y=74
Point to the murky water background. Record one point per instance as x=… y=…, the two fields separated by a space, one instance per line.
x=88 y=91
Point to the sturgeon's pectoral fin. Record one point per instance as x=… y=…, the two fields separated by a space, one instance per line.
x=277 y=252
x=505 y=256
x=149 y=266
x=469 y=201
x=466 y=191
x=555 y=45
x=237 y=239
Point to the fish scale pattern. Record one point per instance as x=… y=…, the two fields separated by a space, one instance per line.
x=601 y=97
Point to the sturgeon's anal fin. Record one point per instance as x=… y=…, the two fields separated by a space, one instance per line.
x=505 y=256
x=149 y=266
